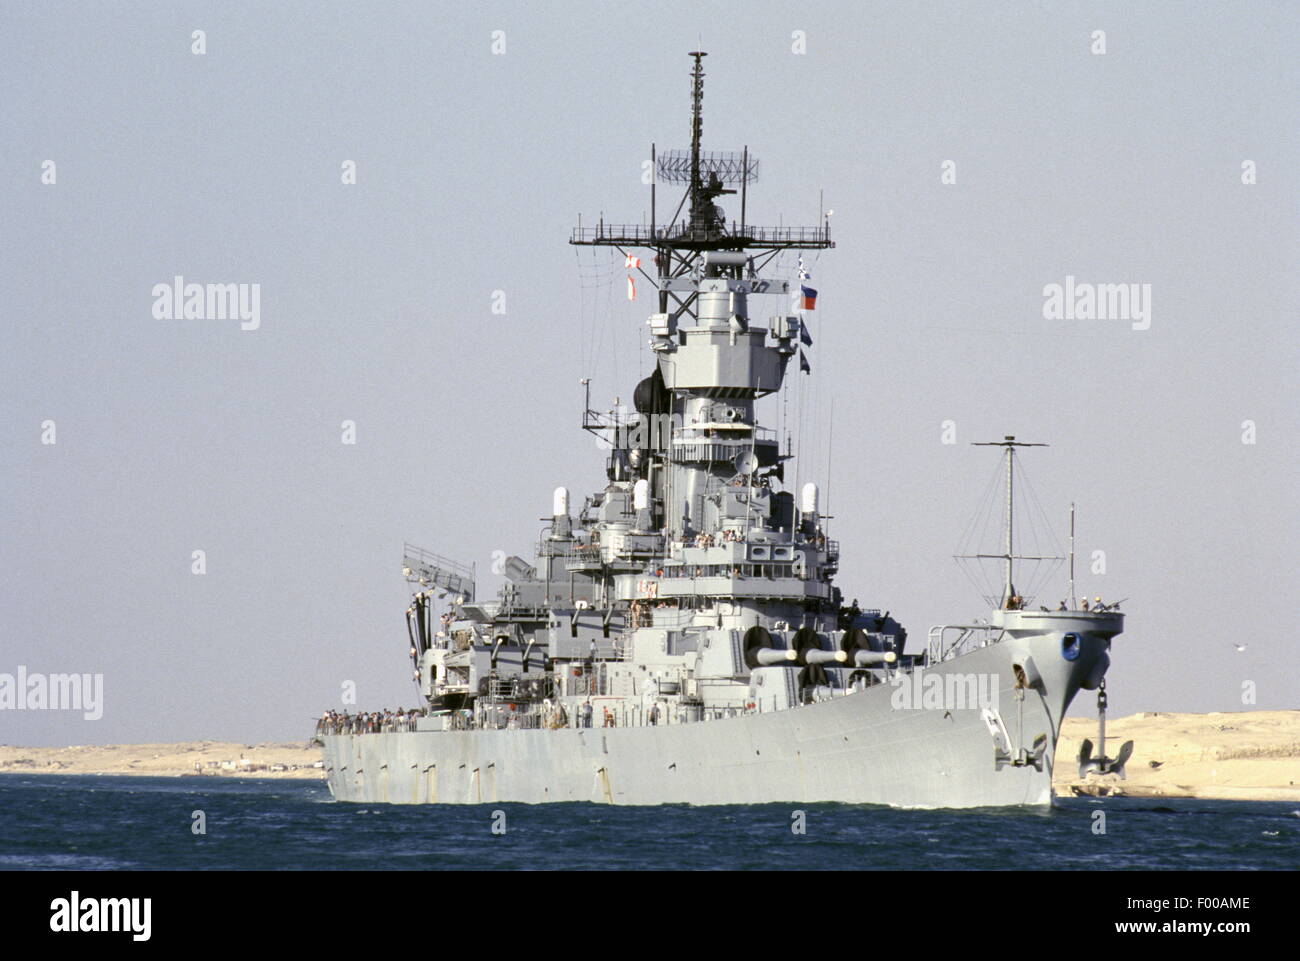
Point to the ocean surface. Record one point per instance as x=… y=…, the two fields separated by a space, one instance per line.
x=62 y=822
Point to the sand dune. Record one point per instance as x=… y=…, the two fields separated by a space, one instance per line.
x=1242 y=756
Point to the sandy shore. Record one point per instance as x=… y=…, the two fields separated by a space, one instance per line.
x=198 y=758
x=1242 y=756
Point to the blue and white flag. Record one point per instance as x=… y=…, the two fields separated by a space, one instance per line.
x=803 y=271
x=803 y=364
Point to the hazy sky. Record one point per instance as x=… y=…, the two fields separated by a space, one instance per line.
x=472 y=166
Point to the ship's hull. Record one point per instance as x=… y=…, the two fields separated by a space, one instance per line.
x=870 y=747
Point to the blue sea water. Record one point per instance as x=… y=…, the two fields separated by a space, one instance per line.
x=138 y=823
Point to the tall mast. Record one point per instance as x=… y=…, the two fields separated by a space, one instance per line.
x=697 y=124
x=1009 y=525
x=1008 y=555
x=1072 y=604
x=706 y=175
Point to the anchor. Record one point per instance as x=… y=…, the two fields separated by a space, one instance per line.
x=1002 y=748
x=1101 y=764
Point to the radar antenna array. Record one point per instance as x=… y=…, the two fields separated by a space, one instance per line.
x=680 y=243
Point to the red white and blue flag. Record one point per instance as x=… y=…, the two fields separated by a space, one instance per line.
x=809 y=297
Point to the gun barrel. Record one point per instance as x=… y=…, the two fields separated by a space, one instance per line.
x=826 y=657
x=867 y=658
x=773 y=655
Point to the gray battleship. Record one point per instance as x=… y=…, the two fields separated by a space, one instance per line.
x=678 y=637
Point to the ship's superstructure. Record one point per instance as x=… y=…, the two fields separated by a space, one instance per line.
x=678 y=635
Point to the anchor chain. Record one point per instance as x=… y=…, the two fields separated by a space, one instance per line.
x=1101 y=719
